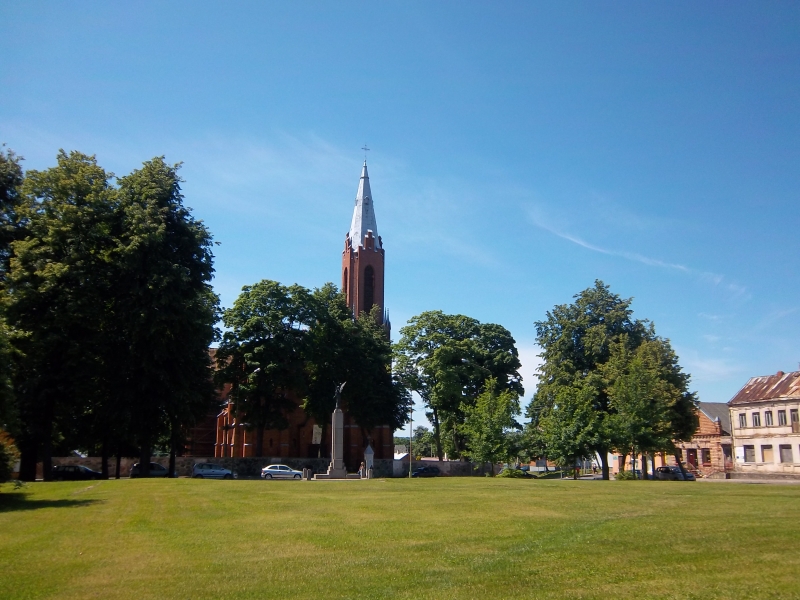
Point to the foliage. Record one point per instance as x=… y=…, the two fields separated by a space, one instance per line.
x=424 y=443
x=261 y=354
x=589 y=399
x=512 y=473
x=11 y=178
x=9 y=455
x=286 y=344
x=625 y=476
x=488 y=422
x=447 y=360
x=111 y=306
x=57 y=288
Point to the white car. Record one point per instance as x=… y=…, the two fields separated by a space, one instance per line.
x=211 y=471
x=280 y=472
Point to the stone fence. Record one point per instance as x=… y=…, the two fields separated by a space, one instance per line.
x=251 y=467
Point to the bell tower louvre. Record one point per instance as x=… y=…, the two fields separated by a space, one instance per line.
x=363 y=257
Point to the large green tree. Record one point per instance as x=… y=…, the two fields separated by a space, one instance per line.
x=447 y=359
x=262 y=353
x=56 y=294
x=164 y=309
x=591 y=398
x=651 y=407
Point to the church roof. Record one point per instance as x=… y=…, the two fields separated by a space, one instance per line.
x=363 y=214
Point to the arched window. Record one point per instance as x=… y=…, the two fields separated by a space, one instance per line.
x=345 y=282
x=369 y=288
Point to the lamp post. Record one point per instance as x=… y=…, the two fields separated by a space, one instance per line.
x=410 y=435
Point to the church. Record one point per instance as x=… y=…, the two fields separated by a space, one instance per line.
x=363 y=268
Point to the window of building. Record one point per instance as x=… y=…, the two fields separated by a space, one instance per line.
x=742 y=420
x=766 y=454
x=768 y=418
x=706 y=455
x=369 y=288
x=756 y=419
x=786 y=453
x=749 y=454
x=793 y=417
x=781 y=417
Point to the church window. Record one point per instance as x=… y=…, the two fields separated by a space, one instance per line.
x=345 y=282
x=369 y=288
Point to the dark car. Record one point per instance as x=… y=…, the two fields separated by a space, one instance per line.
x=426 y=472
x=156 y=470
x=673 y=474
x=74 y=473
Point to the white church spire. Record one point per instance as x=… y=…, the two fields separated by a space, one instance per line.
x=364 y=214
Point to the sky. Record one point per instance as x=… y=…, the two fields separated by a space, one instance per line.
x=518 y=151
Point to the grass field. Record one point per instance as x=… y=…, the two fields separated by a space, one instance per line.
x=434 y=538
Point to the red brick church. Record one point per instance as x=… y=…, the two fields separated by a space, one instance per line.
x=363 y=261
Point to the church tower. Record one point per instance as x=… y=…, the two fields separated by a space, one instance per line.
x=363 y=256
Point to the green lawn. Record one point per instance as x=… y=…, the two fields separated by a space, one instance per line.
x=434 y=538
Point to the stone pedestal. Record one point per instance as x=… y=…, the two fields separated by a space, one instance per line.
x=336 y=469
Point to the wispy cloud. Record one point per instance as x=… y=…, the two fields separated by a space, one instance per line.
x=735 y=290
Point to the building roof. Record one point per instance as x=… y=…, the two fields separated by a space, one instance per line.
x=781 y=386
x=364 y=214
x=718 y=410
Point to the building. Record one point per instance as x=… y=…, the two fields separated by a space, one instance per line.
x=765 y=419
x=363 y=262
x=710 y=449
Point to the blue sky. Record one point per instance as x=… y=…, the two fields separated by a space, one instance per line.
x=520 y=150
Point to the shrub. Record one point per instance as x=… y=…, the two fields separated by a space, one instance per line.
x=515 y=473
x=8 y=456
x=625 y=476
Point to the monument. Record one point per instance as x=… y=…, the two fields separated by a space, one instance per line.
x=336 y=470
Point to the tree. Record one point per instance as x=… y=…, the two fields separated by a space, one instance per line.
x=8 y=456
x=648 y=393
x=56 y=291
x=447 y=359
x=164 y=309
x=574 y=397
x=488 y=422
x=262 y=353
x=11 y=178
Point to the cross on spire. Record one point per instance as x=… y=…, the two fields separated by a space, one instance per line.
x=365 y=149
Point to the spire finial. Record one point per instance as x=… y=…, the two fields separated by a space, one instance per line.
x=365 y=149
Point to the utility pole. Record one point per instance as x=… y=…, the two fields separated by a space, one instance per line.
x=410 y=435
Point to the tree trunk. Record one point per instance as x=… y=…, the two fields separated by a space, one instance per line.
x=436 y=434
x=172 y=445
x=624 y=458
x=145 y=451
x=653 y=465
x=47 y=456
x=456 y=445
x=29 y=455
x=104 y=459
x=604 y=465
x=680 y=464
x=116 y=470
x=259 y=447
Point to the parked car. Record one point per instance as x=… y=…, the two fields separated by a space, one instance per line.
x=211 y=471
x=156 y=470
x=672 y=474
x=74 y=473
x=426 y=472
x=280 y=472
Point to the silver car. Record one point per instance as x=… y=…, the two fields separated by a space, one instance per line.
x=211 y=471
x=280 y=472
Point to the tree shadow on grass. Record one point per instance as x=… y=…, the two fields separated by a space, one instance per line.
x=15 y=502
